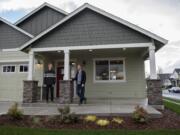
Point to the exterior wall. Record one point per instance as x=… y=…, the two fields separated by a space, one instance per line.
x=11 y=84
x=11 y=38
x=90 y=28
x=41 y=21
x=13 y=55
x=135 y=85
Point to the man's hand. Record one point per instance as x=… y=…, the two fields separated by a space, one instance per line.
x=82 y=85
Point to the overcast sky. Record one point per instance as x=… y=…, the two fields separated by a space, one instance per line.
x=161 y=17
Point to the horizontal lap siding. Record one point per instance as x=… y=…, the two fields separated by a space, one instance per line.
x=14 y=55
x=134 y=87
x=90 y=28
x=41 y=21
x=11 y=38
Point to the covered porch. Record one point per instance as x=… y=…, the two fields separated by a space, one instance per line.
x=125 y=80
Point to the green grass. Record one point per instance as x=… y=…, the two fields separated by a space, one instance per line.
x=173 y=107
x=177 y=101
x=28 y=131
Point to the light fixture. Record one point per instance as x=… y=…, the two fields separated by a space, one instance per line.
x=124 y=49
x=90 y=50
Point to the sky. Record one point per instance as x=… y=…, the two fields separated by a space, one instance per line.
x=161 y=17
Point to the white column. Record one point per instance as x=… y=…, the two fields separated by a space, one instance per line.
x=152 y=61
x=31 y=65
x=66 y=65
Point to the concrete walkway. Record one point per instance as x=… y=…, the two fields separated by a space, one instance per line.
x=100 y=110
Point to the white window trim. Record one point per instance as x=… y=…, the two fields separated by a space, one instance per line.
x=109 y=81
x=23 y=71
x=2 y=67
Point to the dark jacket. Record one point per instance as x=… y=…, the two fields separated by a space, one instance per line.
x=49 y=77
x=83 y=77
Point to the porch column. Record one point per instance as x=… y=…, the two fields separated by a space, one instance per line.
x=66 y=64
x=31 y=65
x=152 y=61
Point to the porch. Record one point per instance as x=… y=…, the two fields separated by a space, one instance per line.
x=99 y=110
x=124 y=80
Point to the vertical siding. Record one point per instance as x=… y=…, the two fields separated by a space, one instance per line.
x=40 y=21
x=11 y=38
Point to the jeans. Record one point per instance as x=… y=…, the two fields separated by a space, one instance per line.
x=80 y=93
x=49 y=87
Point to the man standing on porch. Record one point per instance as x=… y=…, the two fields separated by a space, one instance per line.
x=49 y=81
x=80 y=81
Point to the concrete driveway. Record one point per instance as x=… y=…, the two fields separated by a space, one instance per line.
x=171 y=95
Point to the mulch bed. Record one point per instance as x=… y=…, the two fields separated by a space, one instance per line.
x=170 y=120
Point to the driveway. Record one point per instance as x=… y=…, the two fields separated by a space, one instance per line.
x=171 y=95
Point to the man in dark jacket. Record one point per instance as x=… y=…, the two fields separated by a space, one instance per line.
x=80 y=81
x=49 y=81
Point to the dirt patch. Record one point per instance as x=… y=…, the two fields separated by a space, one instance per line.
x=170 y=120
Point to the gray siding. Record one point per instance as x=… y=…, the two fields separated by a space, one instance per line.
x=11 y=38
x=40 y=21
x=90 y=28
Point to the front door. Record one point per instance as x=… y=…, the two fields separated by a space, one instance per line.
x=59 y=76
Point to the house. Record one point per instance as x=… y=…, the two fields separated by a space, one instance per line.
x=175 y=77
x=111 y=49
x=165 y=79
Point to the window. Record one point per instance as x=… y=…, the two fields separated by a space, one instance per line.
x=109 y=70
x=9 y=69
x=23 y=68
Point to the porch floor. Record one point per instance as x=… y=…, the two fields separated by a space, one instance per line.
x=100 y=110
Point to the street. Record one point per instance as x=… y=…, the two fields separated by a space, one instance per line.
x=171 y=95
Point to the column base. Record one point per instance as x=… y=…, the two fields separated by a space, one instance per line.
x=154 y=93
x=66 y=92
x=30 y=91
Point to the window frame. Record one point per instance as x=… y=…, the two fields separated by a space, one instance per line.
x=109 y=81
x=2 y=67
x=23 y=65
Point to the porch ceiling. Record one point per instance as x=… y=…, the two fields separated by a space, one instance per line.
x=125 y=51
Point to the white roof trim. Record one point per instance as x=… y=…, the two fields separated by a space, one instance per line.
x=14 y=61
x=135 y=27
x=39 y=8
x=15 y=27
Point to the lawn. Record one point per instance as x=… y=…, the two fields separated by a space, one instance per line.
x=172 y=106
x=177 y=101
x=29 y=131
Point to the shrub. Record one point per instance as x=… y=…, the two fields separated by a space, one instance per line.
x=14 y=112
x=118 y=120
x=66 y=116
x=90 y=118
x=102 y=122
x=36 y=120
x=140 y=115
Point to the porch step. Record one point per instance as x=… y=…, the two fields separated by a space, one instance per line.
x=115 y=101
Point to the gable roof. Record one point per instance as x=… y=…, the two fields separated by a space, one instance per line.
x=102 y=12
x=177 y=70
x=16 y=28
x=164 y=76
x=38 y=9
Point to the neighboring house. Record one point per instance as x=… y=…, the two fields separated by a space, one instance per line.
x=175 y=77
x=112 y=50
x=165 y=79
